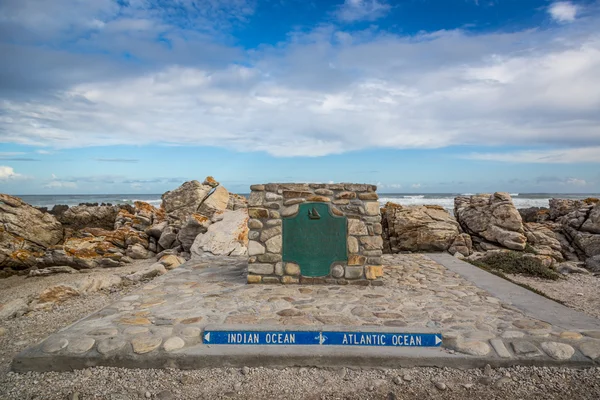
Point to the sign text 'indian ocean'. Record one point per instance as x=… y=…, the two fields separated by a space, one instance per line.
x=323 y=338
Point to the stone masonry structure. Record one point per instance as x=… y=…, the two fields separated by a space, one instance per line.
x=314 y=234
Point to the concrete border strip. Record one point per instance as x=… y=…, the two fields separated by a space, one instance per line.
x=530 y=303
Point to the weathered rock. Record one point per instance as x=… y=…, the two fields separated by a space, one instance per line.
x=462 y=244
x=534 y=214
x=493 y=218
x=420 y=228
x=138 y=252
x=14 y=308
x=168 y=238
x=185 y=200
x=83 y=216
x=156 y=230
x=543 y=240
x=571 y=267
x=147 y=273
x=236 y=202
x=51 y=271
x=216 y=201
x=593 y=263
x=90 y=284
x=226 y=237
x=25 y=232
x=57 y=294
x=195 y=225
x=171 y=261
x=592 y=222
x=561 y=207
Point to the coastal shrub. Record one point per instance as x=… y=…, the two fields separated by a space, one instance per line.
x=516 y=263
x=529 y=249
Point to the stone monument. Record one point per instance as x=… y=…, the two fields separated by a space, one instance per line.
x=314 y=234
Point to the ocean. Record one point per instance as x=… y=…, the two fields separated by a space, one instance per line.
x=446 y=200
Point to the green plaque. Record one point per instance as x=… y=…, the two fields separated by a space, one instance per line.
x=314 y=239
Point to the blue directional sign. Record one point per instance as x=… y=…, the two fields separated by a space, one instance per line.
x=382 y=339
x=262 y=337
x=324 y=338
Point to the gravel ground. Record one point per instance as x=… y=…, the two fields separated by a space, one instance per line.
x=20 y=286
x=258 y=383
x=577 y=291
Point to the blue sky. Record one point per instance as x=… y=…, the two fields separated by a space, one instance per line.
x=139 y=96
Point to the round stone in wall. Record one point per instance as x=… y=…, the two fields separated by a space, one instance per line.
x=53 y=345
x=145 y=344
x=110 y=345
x=337 y=271
x=173 y=343
x=80 y=345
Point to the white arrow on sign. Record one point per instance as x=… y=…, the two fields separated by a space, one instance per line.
x=437 y=340
x=207 y=337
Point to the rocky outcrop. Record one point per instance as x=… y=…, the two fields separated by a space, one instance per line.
x=101 y=248
x=83 y=216
x=91 y=235
x=25 y=232
x=228 y=236
x=462 y=245
x=236 y=202
x=534 y=214
x=581 y=226
x=419 y=228
x=544 y=240
x=195 y=225
x=491 y=220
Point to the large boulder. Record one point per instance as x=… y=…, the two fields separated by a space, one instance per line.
x=83 y=216
x=217 y=200
x=195 y=225
x=419 y=228
x=194 y=197
x=561 y=207
x=25 y=233
x=492 y=219
x=581 y=226
x=543 y=240
x=229 y=236
x=185 y=200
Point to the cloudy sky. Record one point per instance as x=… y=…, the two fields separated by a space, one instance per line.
x=137 y=96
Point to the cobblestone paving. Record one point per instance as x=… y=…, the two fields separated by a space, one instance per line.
x=169 y=313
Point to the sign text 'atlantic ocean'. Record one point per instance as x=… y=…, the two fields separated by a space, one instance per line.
x=322 y=338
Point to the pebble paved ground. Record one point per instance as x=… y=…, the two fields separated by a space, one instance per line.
x=423 y=281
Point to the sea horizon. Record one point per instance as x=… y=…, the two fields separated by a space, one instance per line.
x=446 y=200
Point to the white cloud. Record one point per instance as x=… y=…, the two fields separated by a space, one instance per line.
x=416 y=185
x=362 y=10
x=553 y=156
x=382 y=186
x=563 y=11
x=43 y=152
x=55 y=184
x=324 y=92
x=8 y=173
x=576 y=182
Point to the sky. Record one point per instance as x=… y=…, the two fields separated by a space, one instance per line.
x=416 y=96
